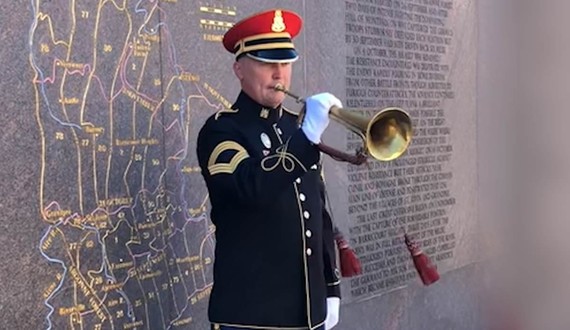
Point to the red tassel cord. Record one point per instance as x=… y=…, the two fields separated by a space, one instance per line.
x=427 y=271
x=349 y=263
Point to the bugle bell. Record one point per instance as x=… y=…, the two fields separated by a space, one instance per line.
x=386 y=136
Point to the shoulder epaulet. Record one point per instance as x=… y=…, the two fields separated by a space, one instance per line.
x=223 y=111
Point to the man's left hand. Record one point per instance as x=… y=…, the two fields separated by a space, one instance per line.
x=333 y=312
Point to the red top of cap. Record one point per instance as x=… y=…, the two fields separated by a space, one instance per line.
x=268 y=22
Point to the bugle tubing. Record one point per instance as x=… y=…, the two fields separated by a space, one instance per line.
x=386 y=135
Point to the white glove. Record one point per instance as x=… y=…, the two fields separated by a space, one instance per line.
x=316 y=119
x=333 y=312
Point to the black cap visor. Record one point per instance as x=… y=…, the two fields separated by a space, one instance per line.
x=283 y=55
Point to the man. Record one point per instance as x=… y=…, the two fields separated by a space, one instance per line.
x=275 y=262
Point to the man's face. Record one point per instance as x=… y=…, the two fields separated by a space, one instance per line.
x=258 y=79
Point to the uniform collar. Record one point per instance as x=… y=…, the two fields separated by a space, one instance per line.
x=250 y=108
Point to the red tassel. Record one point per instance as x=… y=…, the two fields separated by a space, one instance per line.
x=349 y=263
x=427 y=271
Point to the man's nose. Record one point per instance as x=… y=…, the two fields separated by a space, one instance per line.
x=278 y=69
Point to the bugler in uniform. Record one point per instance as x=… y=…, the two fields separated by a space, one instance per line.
x=275 y=261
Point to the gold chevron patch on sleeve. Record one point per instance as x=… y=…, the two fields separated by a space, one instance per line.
x=229 y=167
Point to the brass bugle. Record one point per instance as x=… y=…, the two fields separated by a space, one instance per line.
x=385 y=136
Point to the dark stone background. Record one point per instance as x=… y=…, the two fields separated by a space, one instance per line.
x=43 y=159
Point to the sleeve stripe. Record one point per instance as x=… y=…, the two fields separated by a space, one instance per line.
x=230 y=167
x=223 y=146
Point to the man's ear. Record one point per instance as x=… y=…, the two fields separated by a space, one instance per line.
x=238 y=70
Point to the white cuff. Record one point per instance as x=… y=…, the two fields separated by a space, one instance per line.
x=333 y=312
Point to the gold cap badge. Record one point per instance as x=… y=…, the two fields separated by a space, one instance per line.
x=278 y=24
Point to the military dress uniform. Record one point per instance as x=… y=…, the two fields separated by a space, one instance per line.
x=274 y=259
x=274 y=265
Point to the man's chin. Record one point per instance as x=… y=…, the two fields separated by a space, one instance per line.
x=273 y=102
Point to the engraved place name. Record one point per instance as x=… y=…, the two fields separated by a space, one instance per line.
x=115 y=201
x=189 y=77
x=139 y=99
x=70 y=65
x=181 y=322
x=57 y=214
x=218 y=96
x=133 y=325
x=71 y=310
x=136 y=142
x=69 y=100
x=93 y=130
x=150 y=37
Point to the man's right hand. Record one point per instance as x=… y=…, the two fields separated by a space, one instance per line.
x=316 y=119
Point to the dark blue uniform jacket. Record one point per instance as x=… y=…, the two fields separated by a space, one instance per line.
x=275 y=261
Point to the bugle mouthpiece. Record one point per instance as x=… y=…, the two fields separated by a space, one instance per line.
x=281 y=88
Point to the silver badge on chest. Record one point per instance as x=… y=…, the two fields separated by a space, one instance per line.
x=265 y=140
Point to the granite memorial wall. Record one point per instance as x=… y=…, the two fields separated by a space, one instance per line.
x=106 y=217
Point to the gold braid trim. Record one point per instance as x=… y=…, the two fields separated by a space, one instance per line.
x=229 y=110
x=282 y=157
